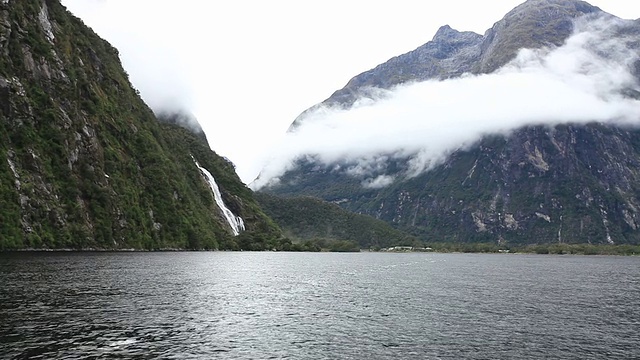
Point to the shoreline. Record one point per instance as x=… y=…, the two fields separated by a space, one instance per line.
x=441 y=251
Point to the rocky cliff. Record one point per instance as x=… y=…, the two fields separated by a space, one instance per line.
x=550 y=183
x=84 y=163
x=451 y=53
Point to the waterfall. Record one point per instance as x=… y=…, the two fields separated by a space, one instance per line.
x=236 y=222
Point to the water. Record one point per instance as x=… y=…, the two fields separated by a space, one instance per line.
x=235 y=222
x=318 y=306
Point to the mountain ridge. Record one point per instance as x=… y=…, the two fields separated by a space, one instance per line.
x=452 y=53
x=571 y=182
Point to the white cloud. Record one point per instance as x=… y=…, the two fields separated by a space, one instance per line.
x=378 y=182
x=247 y=68
x=581 y=81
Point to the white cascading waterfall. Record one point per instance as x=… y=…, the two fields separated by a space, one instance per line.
x=236 y=222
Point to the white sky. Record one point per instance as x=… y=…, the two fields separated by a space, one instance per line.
x=247 y=68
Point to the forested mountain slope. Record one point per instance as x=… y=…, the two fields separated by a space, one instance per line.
x=84 y=163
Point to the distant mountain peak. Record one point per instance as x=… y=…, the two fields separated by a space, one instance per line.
x=574 y=182
x=541 y=5
x=545 y=11
x=532 y=24
x=444 y=32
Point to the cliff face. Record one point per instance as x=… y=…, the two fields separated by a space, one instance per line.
x=85 y=163
x=565 y=183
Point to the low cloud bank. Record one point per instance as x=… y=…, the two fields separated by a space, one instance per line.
x=582 y=81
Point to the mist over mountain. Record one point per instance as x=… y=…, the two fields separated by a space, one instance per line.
x=523 y=134
x=184 y=119
x=85 y=163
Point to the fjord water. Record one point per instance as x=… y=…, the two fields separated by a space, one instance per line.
x=318 y=306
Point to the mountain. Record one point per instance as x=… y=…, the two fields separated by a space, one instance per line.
x=451 y=53
x=84 y=163
x=183 y=119
x=311 y=218
x=566 y=182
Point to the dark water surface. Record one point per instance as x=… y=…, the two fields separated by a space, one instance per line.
x=318 y=306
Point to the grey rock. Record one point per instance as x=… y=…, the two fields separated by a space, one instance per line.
x=559 y=184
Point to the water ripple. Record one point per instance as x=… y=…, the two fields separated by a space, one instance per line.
x=318 y=306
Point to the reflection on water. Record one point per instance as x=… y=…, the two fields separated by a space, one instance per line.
x=318 y=306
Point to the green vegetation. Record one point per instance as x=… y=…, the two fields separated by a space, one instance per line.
x=537 y=185
x=558 y=249
x=84 y=163
x=496 y=191
x=329 y=226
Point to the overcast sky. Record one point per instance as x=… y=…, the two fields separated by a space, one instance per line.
x=247 y=68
